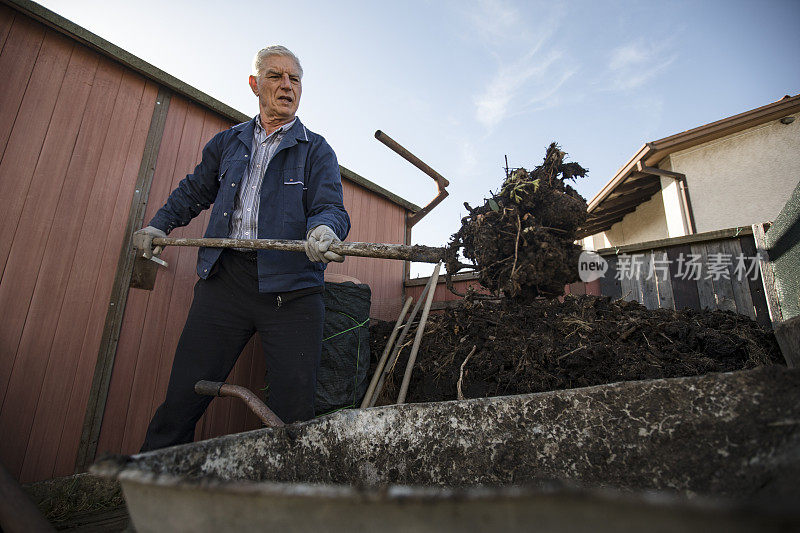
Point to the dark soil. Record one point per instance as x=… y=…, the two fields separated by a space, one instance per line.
x=522 y=239
x=585 y=340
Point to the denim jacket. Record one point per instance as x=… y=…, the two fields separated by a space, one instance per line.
x=302 y=189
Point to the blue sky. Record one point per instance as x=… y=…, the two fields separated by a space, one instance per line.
x=462 y=84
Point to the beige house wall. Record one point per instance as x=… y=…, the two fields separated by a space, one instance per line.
x=739 y=180
x=744 y=178
x=647 y=223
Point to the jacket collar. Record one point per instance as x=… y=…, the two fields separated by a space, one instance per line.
x=297 y=133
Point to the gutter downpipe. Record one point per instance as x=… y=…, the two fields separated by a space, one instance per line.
x=682 y=186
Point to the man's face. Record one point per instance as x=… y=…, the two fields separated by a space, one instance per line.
x=278 y=89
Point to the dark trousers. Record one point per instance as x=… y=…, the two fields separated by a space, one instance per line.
x=226 y=311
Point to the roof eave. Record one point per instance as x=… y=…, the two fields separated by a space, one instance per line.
x=722 y=128
x=621 y=175
x=652 y=153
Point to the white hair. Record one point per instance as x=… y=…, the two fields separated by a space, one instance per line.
x=274 y=50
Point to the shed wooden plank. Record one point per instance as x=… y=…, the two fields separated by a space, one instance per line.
x=102 y=340
x=119 y=404
x=116 y=404
x=22 y=43
x=139 y=404
x=578 y=288
x=61 y=257
x=25 y=142
x=636 y=281
x=27 y=249
x=110 y=201
x=184 y=266
x=684 y=289
x=609 y=283
x=19 y=162
x=739 y=284
x=627 y=289
x=151 y=353
x=721 y=279
x=177 y=295
x=649 y=283
x=661 y=273
x=7 y=17
x=705 y=287
x=747 y=244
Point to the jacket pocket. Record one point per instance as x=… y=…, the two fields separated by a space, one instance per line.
x=292 y=187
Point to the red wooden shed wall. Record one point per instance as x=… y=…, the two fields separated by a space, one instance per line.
x=72 y=132
x=73 y=127
x=375 y=219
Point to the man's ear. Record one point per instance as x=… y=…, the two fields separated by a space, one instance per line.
x=254 y=85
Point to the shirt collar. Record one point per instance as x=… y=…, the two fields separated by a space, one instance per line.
x=261 y=133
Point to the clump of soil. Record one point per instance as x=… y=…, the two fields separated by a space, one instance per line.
x=522 y=239
x=494 y=349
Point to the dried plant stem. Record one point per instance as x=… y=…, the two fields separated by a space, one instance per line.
x=461 y=376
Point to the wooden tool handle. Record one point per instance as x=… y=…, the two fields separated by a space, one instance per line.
x=402 y=252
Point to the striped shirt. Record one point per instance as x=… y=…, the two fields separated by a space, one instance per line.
x=244 y=223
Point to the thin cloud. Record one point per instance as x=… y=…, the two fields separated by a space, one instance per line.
x=494 y=19
x=634 y=64
x=541 y=71
x=513 y=80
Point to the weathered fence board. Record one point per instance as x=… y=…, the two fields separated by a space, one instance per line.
x=703 y=273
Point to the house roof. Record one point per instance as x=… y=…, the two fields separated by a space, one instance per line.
x=108 y=49
x=637 y=180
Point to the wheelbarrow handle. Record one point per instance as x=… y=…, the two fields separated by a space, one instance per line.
x=216 y=388
x=403 y=252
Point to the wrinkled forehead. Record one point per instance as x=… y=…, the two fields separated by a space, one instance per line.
x=281 y=65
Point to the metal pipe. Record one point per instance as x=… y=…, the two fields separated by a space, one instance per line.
x=441 y=181
x=417 y=253
x=412 y=358
x=215 y=388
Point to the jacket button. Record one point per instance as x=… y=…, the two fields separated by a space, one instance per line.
x=233 y=185
x=225 y=214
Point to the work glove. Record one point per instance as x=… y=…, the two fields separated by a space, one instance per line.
x=317 y=243
x=143 y=242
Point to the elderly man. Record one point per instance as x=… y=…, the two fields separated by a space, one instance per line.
x=267 y=178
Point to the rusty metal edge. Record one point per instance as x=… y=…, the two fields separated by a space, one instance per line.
x=95 y=407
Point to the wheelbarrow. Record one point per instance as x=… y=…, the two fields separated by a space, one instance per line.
x=702 y=454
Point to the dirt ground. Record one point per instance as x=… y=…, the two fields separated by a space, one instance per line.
x=494 y=349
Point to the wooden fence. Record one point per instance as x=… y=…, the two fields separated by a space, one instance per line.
x=713 y=270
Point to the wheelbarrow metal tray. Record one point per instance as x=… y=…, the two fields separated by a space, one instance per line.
x=719 y=452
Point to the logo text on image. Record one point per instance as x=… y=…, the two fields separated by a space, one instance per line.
x=591 y=266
